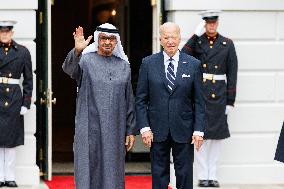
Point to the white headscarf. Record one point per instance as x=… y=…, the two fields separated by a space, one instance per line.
x=118 y=50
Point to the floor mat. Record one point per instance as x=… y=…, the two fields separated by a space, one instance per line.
x=132 y=182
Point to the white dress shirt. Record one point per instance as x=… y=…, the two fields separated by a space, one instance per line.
x=167 y=61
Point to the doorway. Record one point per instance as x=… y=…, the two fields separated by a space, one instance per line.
x=134 y=21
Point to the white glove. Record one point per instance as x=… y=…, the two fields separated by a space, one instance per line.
x=200 y=29
x=228 y=109
x=23 y=110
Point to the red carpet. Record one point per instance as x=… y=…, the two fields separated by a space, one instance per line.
x=132 y=182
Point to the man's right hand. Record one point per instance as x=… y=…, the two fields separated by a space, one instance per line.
x=147 y=138
x=197 y=141
x=200 y=29
x=80 y=42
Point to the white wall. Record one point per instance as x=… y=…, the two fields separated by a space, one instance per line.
x=27 y=172
x=257 y=29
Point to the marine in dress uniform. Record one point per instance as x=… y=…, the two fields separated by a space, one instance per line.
x=15 y=60
x=219 y=68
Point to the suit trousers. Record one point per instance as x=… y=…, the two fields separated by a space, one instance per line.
x=7 y=164
x=206 y=159
x=160 y=164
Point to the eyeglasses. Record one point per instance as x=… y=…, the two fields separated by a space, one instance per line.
x=105 y=38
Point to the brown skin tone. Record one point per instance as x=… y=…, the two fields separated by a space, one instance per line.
x=6 y=36
x=106 y=47
x=80 y=42
x=211 y=28
x=106 y=44
x=170 y=40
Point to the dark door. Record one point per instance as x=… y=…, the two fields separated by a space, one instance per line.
x=134 y=20
x=44 y=90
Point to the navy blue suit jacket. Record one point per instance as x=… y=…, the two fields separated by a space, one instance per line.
x=180 y=111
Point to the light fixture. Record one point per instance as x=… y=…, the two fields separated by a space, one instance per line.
x=113 y=12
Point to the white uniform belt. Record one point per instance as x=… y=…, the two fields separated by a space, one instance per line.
x=214 y=77
x=6 y=80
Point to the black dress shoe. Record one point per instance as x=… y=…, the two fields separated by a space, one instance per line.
x=214 y=183
x=203 y=183
x=11 y=184
x=2 y=184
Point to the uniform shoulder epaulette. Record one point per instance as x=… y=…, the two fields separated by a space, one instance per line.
x=228 y=40
x=20 y=46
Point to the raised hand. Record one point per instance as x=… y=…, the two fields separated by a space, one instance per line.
x=200 y=29
x=80 y=42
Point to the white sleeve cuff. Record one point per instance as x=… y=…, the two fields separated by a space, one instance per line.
x=198 y=133
x=144 y=129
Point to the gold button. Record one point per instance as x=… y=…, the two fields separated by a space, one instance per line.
x=211 y=47
x=213 y=81
x=7 y=90
x=6 y=49
x=211 y=42
x=204 y=65
x=10 y=75
x=6 y=103
x=213 y=95
x=216 y=67
x=204 y=80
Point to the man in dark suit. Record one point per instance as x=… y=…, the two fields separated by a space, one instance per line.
x=15 y=61
x=279 y=154
x=170 y=109
x=219 y=69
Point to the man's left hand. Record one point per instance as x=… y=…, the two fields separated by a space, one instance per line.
x=197 y=141
x=229 y=108
x=129 y=142
x=24 y=110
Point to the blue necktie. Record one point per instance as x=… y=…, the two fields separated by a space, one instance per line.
x=171 y=75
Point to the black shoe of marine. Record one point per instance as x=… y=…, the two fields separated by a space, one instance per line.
x=11 y=184
x=214 y=183
x=203 y=183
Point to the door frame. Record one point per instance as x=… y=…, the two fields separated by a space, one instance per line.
x=44 y=79
x=44 y=92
